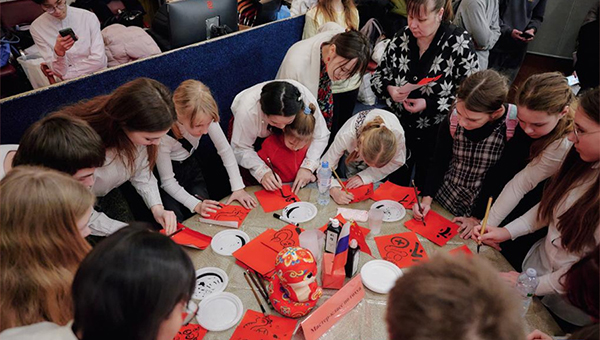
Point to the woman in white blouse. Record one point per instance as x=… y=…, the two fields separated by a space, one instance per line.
x=569 y=207
x=374 y=144
x=131 y=121
x=180 y=174
x=263 y=107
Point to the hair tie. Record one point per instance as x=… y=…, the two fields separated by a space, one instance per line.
x=300 y=97
x=307 y=110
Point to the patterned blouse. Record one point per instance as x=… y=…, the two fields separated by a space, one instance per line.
x=325 y=96
x=451 y=54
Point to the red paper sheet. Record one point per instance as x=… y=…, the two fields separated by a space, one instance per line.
x=190 y=238
x=403 y=249
x=390 y=191
x=256 y=326
x=462 y=249
x=287 y=236
x=272 y=200
x=356 y=232
x=362 y=193
x=439 y=229
x=190 y=332
x=233 y=213
x=256 y=255
x=425 y=81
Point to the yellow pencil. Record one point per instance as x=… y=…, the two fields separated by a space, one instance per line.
x=484 y=223
x=340 y=181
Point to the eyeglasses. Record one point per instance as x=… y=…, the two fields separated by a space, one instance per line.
x=191 y=316
x=578 y=133
x=51 y=9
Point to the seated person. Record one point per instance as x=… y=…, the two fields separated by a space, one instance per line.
x=68 y=58
x=453 y=297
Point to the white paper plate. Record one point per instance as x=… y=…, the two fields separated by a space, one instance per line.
x=392 y=210
x=227 y=241
x=380 y=275
x=300 y=212
x=209 y=280
x=220 y=311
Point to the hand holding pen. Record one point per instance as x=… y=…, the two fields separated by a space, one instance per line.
x=206 y=206
x=271 y=182
x=420 y=210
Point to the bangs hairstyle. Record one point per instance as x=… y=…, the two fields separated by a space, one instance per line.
x=303 y=125
x=428 y=295
x=483 y=91
x=329 y=13
x=416 y=8
x=193 y=100
x=576 y=225
x=135 y=278
x=547 y=92
x=377 y=143
x=353 y=45
x=40 y=244
x=141 y=105
x=280 y=98
x=61 y=142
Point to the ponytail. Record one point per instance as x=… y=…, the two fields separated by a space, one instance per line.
x=304 y=123
x=376 y=142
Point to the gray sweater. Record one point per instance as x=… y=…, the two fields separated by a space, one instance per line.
x=521 y=14
x=481 y=19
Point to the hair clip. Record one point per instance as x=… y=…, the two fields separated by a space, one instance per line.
x=307 y=110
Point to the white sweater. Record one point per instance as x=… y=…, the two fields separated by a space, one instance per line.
x=172 y=150
x=346 y=141
x=40 y=331
x=250 y=124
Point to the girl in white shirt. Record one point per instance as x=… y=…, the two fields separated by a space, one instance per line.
x=569 y=207
x=131 y=121
x=374 y=144
x=266 y=106
x=180 y=174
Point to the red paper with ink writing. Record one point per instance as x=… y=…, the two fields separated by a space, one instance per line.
x=390 y=191
x=273 y=200
x=189 y=238
x=228 y=216
x=288 y=236
x=402 y=249
x=190 y=332
x=461 y=250
x=362 y=193
x=438 y=230
x=356 y=232
x=256 y=255
x=256 y=326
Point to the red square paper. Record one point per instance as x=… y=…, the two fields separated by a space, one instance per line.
x=390 y=191
x=402 y=249
x=362 y=193
x=190 y=332
x=257 y=326
x=438 y=229
x=273 y=200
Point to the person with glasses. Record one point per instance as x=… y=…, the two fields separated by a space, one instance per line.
x=66 y=57
x=134 y=285
x=569 y=207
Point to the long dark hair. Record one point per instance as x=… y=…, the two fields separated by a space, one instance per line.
x=129 y=284
x=581 y=283
x=353 y=45
x=280 y=98
x=576 y=225
x=142 y=104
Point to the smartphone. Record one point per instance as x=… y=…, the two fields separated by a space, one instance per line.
x=526 y=35
x=68 y=31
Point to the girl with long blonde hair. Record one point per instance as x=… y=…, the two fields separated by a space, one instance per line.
x=342 y=12
x=373 y=142
x=44 y=217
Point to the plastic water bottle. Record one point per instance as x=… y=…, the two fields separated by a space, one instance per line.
x=324 y=182
x=526 y=285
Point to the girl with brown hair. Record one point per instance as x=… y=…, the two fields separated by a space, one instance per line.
x=373 y=142
x=569 y=208
x=131 y=121
x=44 y=217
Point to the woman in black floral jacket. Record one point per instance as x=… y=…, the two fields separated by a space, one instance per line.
x=427 y=48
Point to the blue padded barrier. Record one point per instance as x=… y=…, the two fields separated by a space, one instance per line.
x=227 y=65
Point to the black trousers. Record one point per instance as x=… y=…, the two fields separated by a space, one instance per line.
x=420 y=147
x=343 y=108
x=189 y=175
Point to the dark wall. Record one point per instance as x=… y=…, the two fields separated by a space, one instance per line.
x=227 y=65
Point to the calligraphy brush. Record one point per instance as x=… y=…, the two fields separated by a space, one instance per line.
x=275 y=174
x=256 y=296
x=484 y=223
x=176 y=232
x=340 y=181
x=261 y=288
x=418 y=202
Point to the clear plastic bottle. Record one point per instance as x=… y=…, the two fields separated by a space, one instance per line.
x=526 y=285
x=324 y=183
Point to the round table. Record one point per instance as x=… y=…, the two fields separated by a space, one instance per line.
x=366 y=321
